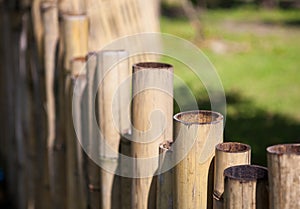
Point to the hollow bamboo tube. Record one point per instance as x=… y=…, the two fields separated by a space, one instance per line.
x=50 y=24
x=227 y=154
x=114 y=102
x=246 y=187
x=75 y=32
x=284 y=176
x=165 y=187
x=196 y=135
x=152 y=109
x=75 y=192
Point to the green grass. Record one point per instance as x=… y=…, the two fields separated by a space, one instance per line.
x=260 y=71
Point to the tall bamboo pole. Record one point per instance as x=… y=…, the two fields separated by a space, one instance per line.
x=246 y=186
x=50 y=24
x=152 y=109
x=114 y=102
x=196 y=135
x=165 y=186
x=227 y=154
x=284 y=172
x=75 y=40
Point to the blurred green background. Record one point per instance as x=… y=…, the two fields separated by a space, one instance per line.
x=256 y=52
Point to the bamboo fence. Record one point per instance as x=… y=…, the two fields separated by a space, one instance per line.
x=70 y=111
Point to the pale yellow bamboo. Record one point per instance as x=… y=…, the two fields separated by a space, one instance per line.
x=165 y=185
x=227 y=154
x=284 y=173
x=196 y=135
x=75 y=31
x=246 y=186
x=152 y=109
x=114 y=102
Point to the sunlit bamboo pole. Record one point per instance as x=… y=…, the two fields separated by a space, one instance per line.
x=196 y=135
x=152 y=109
x=246 y=186
x=227 y=154
x=114 y=101
x=284 y=173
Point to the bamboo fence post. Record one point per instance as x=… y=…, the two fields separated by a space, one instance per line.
x=113 y=102
x=246 y=187
x=284 y=176
x=227 y=154
x=74 y=39
x=75 y=191
x=196 y=135
x=165 y=187
x=152 y=109
x=51 y=33
x=92 y=144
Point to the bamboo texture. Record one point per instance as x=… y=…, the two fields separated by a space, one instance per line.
x=227 y=154
x=165 y=187
x=246 y=187
x=196 y=135
x=113 y=102
x=152 y=124
x=284 y=172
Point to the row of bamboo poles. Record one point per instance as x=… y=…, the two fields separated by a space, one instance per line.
x=74 y=118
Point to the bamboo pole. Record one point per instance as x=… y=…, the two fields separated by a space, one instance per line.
x=114 y=102
x=50 y=24
x=92 y=144
x=75 y=192
x=284 y=172
x=165 y=187
x=75 y=7
x=196 y=135
x=246 y=186
x=227 y=154
x=152 y=109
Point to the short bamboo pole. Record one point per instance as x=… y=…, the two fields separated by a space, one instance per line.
x=196 y=135
x=152 y=109
x=114 y=102
x=50 y=23
x=227 y=154
x=284 y=176
x=76 y=7
x=165 y=187
x=246 y=187
x=75 y=192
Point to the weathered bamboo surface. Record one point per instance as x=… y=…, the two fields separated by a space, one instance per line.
x=196 y=135
x=246 y=186
x=227 y=154
x=284 y=176
x=152 y=124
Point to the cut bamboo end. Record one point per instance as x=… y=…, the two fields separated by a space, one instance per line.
x=284 y=172
x=226 y=155
x=78 y=66
x=152 y=124
x=246 y=186
x=75 y=37
x=196 y=135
